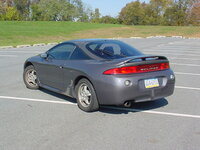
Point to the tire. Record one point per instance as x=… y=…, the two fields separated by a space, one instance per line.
x=86 y=96
x=30 y=71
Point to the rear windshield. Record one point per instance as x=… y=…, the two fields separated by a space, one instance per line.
x=112 y=49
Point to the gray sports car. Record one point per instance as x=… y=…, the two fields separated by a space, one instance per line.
x=100 y=72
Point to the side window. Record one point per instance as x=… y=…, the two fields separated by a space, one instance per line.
x=61 y=52
x=78 y=54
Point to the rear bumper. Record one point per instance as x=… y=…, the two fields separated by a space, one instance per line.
x=113 y=91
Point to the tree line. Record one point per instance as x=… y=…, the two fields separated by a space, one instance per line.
x=156 y=12
x=45 y=10
x=161 y=12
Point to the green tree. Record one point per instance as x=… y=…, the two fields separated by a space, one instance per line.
x=60 y=10
x=108 y=20
x=97 y=13
x=132 y=14
x=55 y=10
x=9 y=13
x=177 y=13
x=23 y=6
x=149 y=17
x=82 y=11
x=12 y=14
x=85 y=15
x=36 y=12
x=155 y=11
x=170 y=16
x=2 y=10
x=95 y=17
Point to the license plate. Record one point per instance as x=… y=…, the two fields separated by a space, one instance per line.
x=151 y=83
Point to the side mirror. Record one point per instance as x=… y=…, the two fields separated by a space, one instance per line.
x=44 y=55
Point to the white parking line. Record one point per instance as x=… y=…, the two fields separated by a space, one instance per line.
x=9 y=51
x=154 y=112
x=183 y=46
x=36 y=100
x=183 y=73
x=8 y=55
x=110 y=107
x=189 y=88
x=192 y=65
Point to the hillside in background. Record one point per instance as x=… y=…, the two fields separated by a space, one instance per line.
x=154 y=12
x=28 y=32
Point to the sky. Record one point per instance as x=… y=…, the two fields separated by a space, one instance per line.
x=109 y=7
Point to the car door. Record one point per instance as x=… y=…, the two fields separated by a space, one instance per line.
x=51 y=68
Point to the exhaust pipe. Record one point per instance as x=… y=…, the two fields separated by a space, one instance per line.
x=127 y=104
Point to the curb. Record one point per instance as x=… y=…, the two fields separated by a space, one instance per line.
x=3 y=47
x=136 y=37
x=20 y=46
x=40 y=44
x=177 y=36
x=52 y=43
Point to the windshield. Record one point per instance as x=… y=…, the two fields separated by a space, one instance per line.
x=112 y=49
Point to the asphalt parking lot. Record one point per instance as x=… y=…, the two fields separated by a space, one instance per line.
x=40 y=119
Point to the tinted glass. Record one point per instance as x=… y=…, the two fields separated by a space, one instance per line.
x=61 y=52
x=112 y=49
x=78 y=54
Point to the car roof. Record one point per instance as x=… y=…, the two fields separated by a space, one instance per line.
x=82 y=42
x=87 y=40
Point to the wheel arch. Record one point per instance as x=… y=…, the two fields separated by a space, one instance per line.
x=76 y=82
x=28 y=63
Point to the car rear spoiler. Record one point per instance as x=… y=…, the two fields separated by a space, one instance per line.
x=143 y=59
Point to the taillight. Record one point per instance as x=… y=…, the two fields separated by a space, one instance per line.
x=138 y=69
